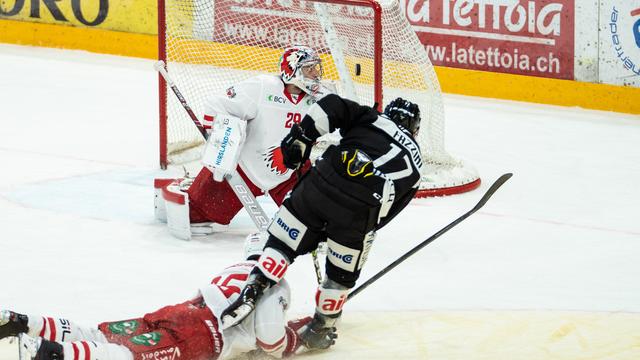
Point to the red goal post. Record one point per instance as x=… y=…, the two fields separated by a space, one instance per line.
x=369 y=52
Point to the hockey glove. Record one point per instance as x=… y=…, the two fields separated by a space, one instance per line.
x=296 y=148
x=316 y=336
x=294 y=343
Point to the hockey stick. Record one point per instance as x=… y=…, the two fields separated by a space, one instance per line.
x=487 y=195
x=238 y=185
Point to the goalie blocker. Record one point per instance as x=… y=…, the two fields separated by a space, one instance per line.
x=223 y=147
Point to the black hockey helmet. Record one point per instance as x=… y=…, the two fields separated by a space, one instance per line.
x=404 y=113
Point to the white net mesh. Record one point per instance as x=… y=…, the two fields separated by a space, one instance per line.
x=213 y=44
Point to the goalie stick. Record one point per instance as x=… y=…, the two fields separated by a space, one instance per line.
x=238 y=185
x=487 y=195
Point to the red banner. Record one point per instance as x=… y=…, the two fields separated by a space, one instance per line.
x=527 y=37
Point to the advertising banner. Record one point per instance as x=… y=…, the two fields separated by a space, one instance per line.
x=138 y=16
x=620 y=42
x=527 y=37
x=289 y=22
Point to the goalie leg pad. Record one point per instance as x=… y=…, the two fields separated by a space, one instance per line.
x=177 y=205
x=159 y=207
x=214 y=201
x=178 y=214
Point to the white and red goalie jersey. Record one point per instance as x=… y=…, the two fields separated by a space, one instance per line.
x=270 y=111
x=265 y=328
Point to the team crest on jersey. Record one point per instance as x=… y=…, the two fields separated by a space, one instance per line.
x=231 y=92
x=275 y=161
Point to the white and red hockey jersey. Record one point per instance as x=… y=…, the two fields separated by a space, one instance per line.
x=270 y=111
x=265 y=327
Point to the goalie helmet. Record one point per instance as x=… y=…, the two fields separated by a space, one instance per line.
x=296 y=62
x=404 y=113
x=254 y=245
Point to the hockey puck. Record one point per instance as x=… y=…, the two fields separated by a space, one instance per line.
x=357 y=69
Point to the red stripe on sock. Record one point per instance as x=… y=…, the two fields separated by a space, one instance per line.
x=87 y=353
x=76 y=354
x=44 y=327
x=270 y=347
x=52 y=325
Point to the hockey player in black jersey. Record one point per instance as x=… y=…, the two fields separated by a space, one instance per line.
x=354 y=189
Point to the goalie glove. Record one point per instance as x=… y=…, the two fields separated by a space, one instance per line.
x=296 y=147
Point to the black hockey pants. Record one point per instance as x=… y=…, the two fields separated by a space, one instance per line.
x=324 y=206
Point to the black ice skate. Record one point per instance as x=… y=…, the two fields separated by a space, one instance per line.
x=246 y=303
x=12 y=324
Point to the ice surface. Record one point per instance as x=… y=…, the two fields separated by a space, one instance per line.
x=549 y=266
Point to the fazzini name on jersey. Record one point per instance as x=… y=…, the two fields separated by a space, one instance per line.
x=411 y=146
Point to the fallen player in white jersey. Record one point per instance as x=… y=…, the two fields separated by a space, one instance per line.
x=186 y=331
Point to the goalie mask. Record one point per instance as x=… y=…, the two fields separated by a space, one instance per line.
x=405 y=114
x=301 y=66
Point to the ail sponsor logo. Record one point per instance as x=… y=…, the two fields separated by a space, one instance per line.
x=333 y=305
x=274 y=268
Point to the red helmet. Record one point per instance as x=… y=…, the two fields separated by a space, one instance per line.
x=292 y=62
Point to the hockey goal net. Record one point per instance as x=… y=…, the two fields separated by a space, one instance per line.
x=369 y=51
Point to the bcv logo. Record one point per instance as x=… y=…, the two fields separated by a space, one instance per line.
x=293 y=232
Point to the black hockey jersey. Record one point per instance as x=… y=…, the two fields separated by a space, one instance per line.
x=392 y=148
